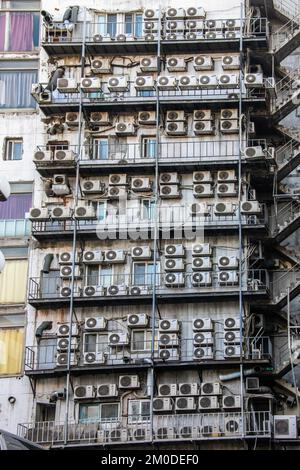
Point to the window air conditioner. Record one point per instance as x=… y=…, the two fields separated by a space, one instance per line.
x=85 y=213
x=201 y=263
x=148 y=64
x=228 y=262
x=82 y=392
x=129 y=381
x=285 y=427
x=167 y=390
x=106 y=390
x=137 y=320
x=173 y=264
x=228 y=81
x=171 y=325
x=67 y=85
x=232 y=351
x=176 y=128
x=91 y=84
x=169 y=354
x=39 y=213
x=232 y=323
x=144 y=83
x=208 y=81
x=141 y=184
x=60 y=212
x=141 y=252
x=175 y=251
x=201 y=249
x=226 y=190
x=208 y=403
x=118 y=83
x=95 y=323
x=168 y=340
x=254 y=80
x=94 y=358
x=66 y=272
x=162 y=404
x=176 y=64
x=92 y=257
x=254 y=152
x=226 y=278
x=203 y=190
x=203 y=353
x=169 y=192
x=231 y=62
x=114 y=290
x=204 y=128
x=102 y=65
x=125 y=128
x=224 y=208
x=72 y=119
x=203 y=279
x=147 y=118
x=232 y=337
x=203 y=338
x=229 y=126
x=167 y=83
x=114 y=256
x=100 y=119
x=42 y=156
x=202 y=324
x=64 y=329
x=188 y=82
x=251 y=207
x=93 y=291
x=185 y=403
x=202 y=62
x=118 y=339
x=252 y=384
x=175 y=13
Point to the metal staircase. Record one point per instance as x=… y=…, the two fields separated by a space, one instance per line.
x=287 y=158
x=288 y=8
x=287 y=95
x=285 y=286
x=286 y=39
x=286 y=221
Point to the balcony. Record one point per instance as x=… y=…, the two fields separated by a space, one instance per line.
x=167 y=428
x=55 y=292
x=14 y=228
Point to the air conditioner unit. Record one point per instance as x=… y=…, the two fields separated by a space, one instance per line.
x=39 y=213
x=212 y=35
x=117 y=179
x=232 y=337
x=195 y=12
x=118 y=83
x=162 y=404
x=174 y=280
x=185 y=403
x=176 y=128
x=137 y=320
x=147 y=118
x=94 y=358
x=66 y=272
x=285 y=427
x=165 y=433
x=208 y=81
x=169 y=192
x=72 y=119
x=101 y=37
x=254 y=152
x=129 y=381
x=204 y=128
x=118 y=339
x=201 y=249
x=231 y=401
x=150 y=27
x=64 y=155
x=203 y=353
x=203 y=115
x=202 y=324
x=228 y=81
x=251 y=207
x=233 y=425
x=188 y=82
x=254 y=80
x=141 y=252
x=92 y=257
x=141 y=184
x=60 y=185
x=200 y=209
x=203 y=279
x=116 y=435
x=100 y=119
x=229 y=126
x=42 y=156
x=139 y=290
x=211 y=388
x=151 y=13
x=176 y=64
x=167 y=83
x=125 y=128
x=214 y=24
x=82 y=392
x=203 y=338
x=176 y=116
x=102 y=65
x=45 y=97
x=144 y=83
x=169 y=354
x=93 y=291
x=229 y=114
x=202 y=177
x=231 y=62
x=226 y=278
x=85 y=213
x=188 y=389
x=66 y=257
x=232 y=323
x=252 y=384
x=117 y=192
x=63 y=344
x=95 y=323
x=60 y=212
x=194 y=35
x=114 y=256
x=167 y=390
x=203 y=190
x=224 y=208
x=228 y=262
x=106 y=390
x=67 y=85
x=148 y=64
x=139 y=433
x=90 y=84
x=226 y=176
x=173 y=264
x=175 y=13
x=226 y=190
x=201 y=264
x=150 y=37
x=171 y=325
x=115 y=290
x=202 y=62
x=232 y=351
x=174 y=251
x=208 y=403
x=64 y=329
x=168 y=340
x=232 y=34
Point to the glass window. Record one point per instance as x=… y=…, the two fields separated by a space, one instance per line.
x=11 y=350
x=14 y=149
x=47 y=353
x=109 y=412
x=100 y=149
x=149 y=147
x=16 y=206
x=90 y=342
x=101 y=210
x=15 y=89
x=106 y=278
x=19 y=31
x=107 y=24
x=21 y=4
x=104 y=412
x=133 y=24
x=92 y=275
x=140 y=340
x=138 y=25
x=138 y=410
x=143 y=274
x=148 y=207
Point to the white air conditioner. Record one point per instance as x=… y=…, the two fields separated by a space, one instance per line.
x=141 y=252
x=129 y=381
x=194 y=35
x=139 y=433
x=176 y=128
x=204 y=128
x=204 y=338
x=66 y=272
x=211 y=388
x=167 y=83
x=228 y=81
x=226 y=176
x=203 y=324
x=125 y=128
x=150 y=37
x=101 y=38
x=175 y=280
x=64 y=155
x=203 y=115
x=229 y=114
x=233 y=425
x=176 y=64
x=93 y=291
x=203 y=353
x=165 y=433
x=90 y=84
x=147 y=118
x=95 y=323
x=214 y=24
x=231 y=62
x=231 y=401
x=208 y=81
x=175 y=13
x=117 y=192
x=140 y=320
x=232 y=351
x=254 y=80
x=85 y=213
x=232 y=337
x=285 y=427
x=169 y=325
x=228 y=262
x=188 y=82
x=144 y=83
x=173 y=264
x=139 y=290
x=66 y=257
x=62 y=344
x=67 y=85
x=63 y=329
x=100 y=118
x=118 y=339
x=254 y=152
x=226 y=190
x=162 y=404
x=115 y=290
x=202 y=177
x=60 y=212
x=92 y=257
x=212 y=35
x=141 y=184
x=203 y=190
x=94 y=358
x=39 y=213
x=169 y=192
x=229 y=126
x=114 y=256
x=208 y=403
x=168 y=340
x=169 y=354
x=72 y=119
x=106 y=390
x=201 y=263
x=188 y=389
x=117 y=179
x=42 y=156
x=169 y=178
x=102 y=65
x=176 y=116
x=196 y=12
x=60 y=185
x=228 y=278
x=174 y=251
x=167 y=390
x=232 y=323
x=150 y=27
x=148 y=64
x=151 y=13
x=118 y=83
x=202 y=62
x=185 y=404
x=199 y=209
x=224 y=208
x=201 y=249
x=203 y=279
x=82 y=392
x=250 y=207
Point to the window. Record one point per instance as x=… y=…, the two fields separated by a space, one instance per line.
x=147 y=209
x=95 y=342
x=11 y=343
x=138 y=410
x=20 y=4
x=101 y=210
x=13 y=149
x=13 y=282
x=46 y=353
x=107 y=24
x=106 y=276
x=92 y=275
x=149 y=147
x=143 y=274
x=104 y=412
x=140 y=340
x=100 y=149
x=134 y=24
x=15 y=88
x=19 y=31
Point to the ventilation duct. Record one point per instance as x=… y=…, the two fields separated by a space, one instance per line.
x=58 y=73
x=45 y=325
x=47 y=263
x=237 y=375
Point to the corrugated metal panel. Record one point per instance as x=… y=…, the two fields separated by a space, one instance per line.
x=13 y=282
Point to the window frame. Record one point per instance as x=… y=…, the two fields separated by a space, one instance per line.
x=146 y=273
x=140 y=418
x=100 y=406
x=148 y=141
x=98 y=342
x=17 y=326
x=146 y=340
x=7 y=12
x=12 y=141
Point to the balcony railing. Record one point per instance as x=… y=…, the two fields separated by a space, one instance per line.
x=14 y=228
x=197 y=426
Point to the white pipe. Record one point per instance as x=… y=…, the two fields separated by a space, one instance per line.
x=236 y=375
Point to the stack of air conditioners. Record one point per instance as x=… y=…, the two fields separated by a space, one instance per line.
x=203 y=184
x=63 y=333
x=169 y=186
x=229 y=123
x=194 y=23
x=66 y=272
x=226 y=184
x=232 y=337
x=203 y=122
x=228 y=270
x=152 y=24
x=174 y=265
x=117 y=186
x=169 y=340
x=175 y=24
x=210 y=396
x=203 y=331
x=201 y=265
x=94 y=325
x=176 y=123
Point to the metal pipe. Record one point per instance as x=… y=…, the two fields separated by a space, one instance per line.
x=237 y=375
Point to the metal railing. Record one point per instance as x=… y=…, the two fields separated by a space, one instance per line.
x=286 y=214
x=286 y=152
x=15 y=227
x=284 y=280
x=286 y=33
x=290 y=8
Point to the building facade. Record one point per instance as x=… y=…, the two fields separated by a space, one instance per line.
x=162 y=287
